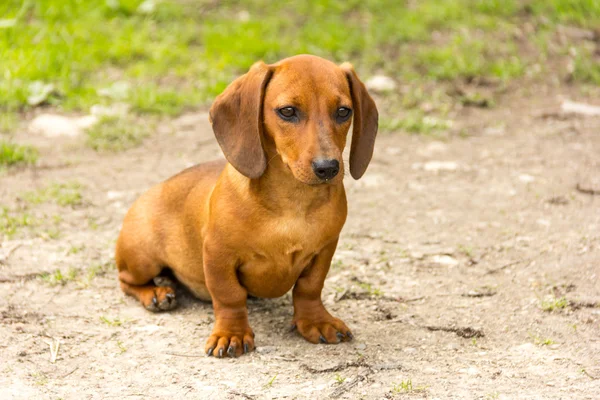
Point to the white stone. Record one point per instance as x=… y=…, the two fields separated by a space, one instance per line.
x=243 y=16
x=525 y=348
x=444 y=260
x=526 y=178
x=54 y=125
x=580 y=108
x=113 y=195
x=380 y=83
x=118 y=90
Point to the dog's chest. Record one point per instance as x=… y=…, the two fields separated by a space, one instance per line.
x=279 y=253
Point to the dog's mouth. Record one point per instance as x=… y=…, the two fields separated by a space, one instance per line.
x=309 y=178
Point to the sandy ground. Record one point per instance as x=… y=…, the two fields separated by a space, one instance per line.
x=451 y=251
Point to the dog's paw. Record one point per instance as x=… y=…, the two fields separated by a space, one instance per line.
x=162 y=300
x=329 y=330
x=221 y=343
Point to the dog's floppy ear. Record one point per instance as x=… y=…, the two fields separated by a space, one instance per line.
x=236 y=117
x=364 y=125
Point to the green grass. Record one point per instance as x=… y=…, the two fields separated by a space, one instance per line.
x=540 y=340
x=81 y=277
x=586 y=67
x=180 y=54
x=116 y=134
x=370 y=289
x=11 y=222
x=415 y=122
x=552 y=304
x=63 y=194
x=112 y=321
x=585 y=13
x=58 y=277
x=8 y=122
x=407 y=387
x=14 y=154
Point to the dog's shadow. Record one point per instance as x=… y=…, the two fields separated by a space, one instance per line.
x=280 y=306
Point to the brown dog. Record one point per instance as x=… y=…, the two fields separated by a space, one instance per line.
x=269 y=219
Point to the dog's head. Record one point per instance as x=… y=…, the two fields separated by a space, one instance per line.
x=301 y=109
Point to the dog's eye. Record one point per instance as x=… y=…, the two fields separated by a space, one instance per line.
x=287 y=112
x=343 y=113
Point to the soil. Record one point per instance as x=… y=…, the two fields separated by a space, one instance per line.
x=469 y=268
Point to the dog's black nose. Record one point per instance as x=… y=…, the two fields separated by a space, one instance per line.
x=326 y=169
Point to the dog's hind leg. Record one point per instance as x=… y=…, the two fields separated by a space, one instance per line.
x=137 y=280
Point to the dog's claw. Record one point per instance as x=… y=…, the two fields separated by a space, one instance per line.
x=350 y=335
x=210 y=351
x=245 y=348
x=155 y=301
x=170 y=296
x=293 y=328
x=322 y=339
x=221 y=353
x=340 y=336
x=231 y=351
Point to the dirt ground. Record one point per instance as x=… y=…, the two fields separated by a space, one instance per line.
x=468 y=268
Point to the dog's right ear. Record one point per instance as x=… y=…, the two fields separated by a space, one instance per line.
x=236 y=117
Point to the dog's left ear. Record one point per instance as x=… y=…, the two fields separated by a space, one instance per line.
x=364 y=125
x=236 y=117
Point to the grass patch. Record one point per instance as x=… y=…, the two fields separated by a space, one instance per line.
x=11 y=223
x=541 y=341
x=63 y=194
x=552 y=304
x=415 y=122
x=407 y=387
x=97 y=270
x=175 y=55
x=14 y=154
x=586 y=67
x=116 y=134
x=339 y=379
x=112 y=321
x=8 y=122
x=82 y=277
x=271 y=381
x=585 y=13
x=122 y=348
x=467 y=59
x=58 y=277
x=370 y=289
x=75 y=249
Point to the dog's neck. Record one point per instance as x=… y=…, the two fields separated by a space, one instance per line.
x=279 y=191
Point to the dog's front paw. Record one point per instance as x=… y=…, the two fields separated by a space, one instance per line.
x=233 y=344
x=326 y=330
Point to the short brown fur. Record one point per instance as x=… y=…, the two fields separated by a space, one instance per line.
x=263 y=222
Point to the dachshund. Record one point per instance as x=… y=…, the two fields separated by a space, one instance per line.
x=267 y=219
